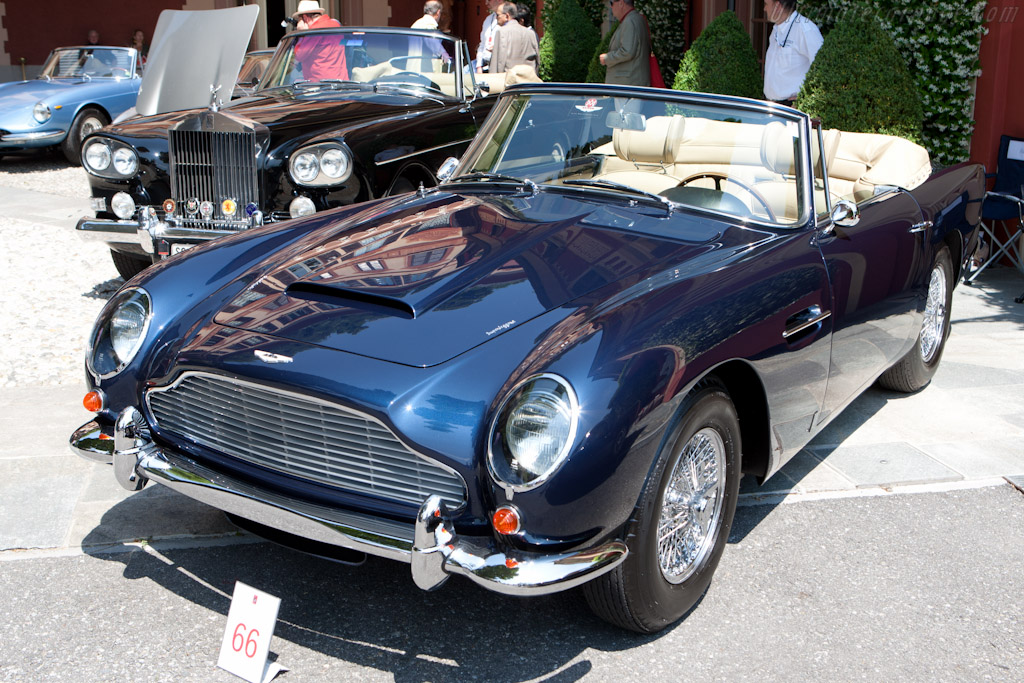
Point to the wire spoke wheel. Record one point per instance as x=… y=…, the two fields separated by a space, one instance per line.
x=934 y=326
x=691 y=506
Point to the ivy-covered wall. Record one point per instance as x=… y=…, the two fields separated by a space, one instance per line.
x=940 y=40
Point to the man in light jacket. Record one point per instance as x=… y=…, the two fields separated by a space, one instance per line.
x=628 y=59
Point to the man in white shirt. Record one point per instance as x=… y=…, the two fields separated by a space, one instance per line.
x=792 y=46
x=431 y=16
x=483 y=51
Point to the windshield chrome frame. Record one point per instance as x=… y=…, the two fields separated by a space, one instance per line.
x=284 y=46
x=805 y=187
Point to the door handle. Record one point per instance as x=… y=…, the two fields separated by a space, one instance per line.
x=804 y=320
x=921 y=227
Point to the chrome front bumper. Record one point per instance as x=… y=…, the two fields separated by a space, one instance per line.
x=144 y=233
x=431 y=545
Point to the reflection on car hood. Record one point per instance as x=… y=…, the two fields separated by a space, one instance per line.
x=193 y=52
x=282 y=111
x=418 y=281
x=27 y=93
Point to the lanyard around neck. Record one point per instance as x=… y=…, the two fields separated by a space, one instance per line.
x=792 y=23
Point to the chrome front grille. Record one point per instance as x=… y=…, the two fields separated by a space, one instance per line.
x=300 y=436
x=211 y=165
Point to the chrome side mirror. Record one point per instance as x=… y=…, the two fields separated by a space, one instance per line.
x=447 y=169
x=845 y=213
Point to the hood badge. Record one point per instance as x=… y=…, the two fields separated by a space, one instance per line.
x=268 y=357
x=502 y=327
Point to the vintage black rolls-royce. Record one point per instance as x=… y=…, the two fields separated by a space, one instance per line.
x=379 y=121
x=551 y=370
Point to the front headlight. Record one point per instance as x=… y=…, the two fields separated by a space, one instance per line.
x=320 y=165
x=110 y=158
x=119 y=332
x=532 y=432
x=126 y=162
x=41 y=112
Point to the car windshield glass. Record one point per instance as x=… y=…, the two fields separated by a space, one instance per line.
x=424 y=62
x=88 y=62
x=253 y=67
x=734 y=158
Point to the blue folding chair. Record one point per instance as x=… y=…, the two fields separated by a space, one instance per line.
x=1005 y=202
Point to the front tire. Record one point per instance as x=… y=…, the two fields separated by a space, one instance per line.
x=88 y=120
x=915 y=370
x=129 y=266
x=682 y=523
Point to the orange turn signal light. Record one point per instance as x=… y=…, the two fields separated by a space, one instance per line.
x=93 y=401
x=506 y=520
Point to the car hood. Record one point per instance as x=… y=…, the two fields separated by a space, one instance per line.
x=284 y=111
x=195 y=58
x=27 y=93
x=420 y=280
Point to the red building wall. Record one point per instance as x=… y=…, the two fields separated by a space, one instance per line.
x=999 y=105
x=67 y=22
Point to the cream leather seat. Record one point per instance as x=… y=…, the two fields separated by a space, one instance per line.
x=644 y=158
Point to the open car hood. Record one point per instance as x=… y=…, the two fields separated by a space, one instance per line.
x=436 y=276
x=192 y=53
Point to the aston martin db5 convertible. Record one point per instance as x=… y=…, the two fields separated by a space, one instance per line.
x=551 y=370
x=79 y=90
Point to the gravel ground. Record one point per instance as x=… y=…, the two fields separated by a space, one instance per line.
x=48 y=173
x=53 y=283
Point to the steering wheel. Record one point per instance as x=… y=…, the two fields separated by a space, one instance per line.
x=719 y=177
x=119 y=72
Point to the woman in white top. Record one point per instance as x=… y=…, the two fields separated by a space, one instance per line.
x=794 y=42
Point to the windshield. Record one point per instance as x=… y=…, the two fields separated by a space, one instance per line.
x=422 y=60
x=88 y=62
x=736 y=159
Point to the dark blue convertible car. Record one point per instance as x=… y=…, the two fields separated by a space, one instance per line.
x=552 y=370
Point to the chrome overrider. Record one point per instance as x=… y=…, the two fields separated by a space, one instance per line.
x=146 y=229
x=433 y=548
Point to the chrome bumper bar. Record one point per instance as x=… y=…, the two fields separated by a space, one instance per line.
x=431 y=545
x=143 y=233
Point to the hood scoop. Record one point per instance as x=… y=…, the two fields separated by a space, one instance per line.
x=367 y=302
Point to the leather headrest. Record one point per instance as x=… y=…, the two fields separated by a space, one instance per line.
x=777 y=149
x=656 y=144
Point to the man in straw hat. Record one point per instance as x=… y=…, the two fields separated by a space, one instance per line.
x=321 y=57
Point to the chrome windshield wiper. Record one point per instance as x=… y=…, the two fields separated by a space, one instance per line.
x=410 y=87
x=611 y=185
x=484 y=176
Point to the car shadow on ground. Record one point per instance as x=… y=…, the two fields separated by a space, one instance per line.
x=373 y=615
x=105 y=290
x=33 y=162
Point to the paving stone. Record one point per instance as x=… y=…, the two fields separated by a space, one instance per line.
x=886 y=465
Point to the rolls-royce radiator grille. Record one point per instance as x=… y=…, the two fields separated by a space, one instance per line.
x=300 y=436
x=212 y=166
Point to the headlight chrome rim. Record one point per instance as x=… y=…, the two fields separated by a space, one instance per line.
x=321 y=165
x=41 y=112
x=102 y=358
x=496 y=450
x=109 y=158
x=125 y=161
x=97 y=156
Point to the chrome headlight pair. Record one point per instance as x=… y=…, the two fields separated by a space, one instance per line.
x=119 y=332
x=532 y=432
x=321 y=165
x=41 y=112
x=109 y=158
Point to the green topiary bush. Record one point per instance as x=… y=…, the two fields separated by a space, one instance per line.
x=722 y=61
x=860 y=82
x=568 y=43
x=596 y=71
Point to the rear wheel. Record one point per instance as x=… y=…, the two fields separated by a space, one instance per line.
x=682 y=522
x=88 y=120
x=128 y=265
x=915 y=370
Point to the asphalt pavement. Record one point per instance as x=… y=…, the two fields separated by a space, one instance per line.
x=890 y=548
